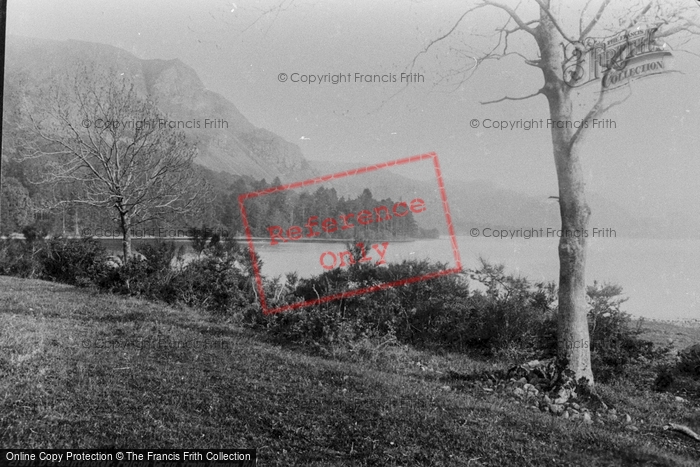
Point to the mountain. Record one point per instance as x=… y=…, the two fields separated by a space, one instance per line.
x=237 y=147
x=482 y=204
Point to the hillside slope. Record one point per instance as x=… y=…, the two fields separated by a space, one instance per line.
x=88 y=370
x=237 y=147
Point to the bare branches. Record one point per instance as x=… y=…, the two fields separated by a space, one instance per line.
x=580 y=20
x=507 y=98
x=444 y=36
x=638 y=16
x=583 y=33
x=597 y=110
x=521 y=24
x=503 y=37
x=100 y=137
x=554 y=21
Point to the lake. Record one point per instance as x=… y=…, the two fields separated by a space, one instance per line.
x=660 y=277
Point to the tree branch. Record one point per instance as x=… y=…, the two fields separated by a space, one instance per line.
x=594 y=21
x=507 y=98
x=597 y=110
x=545 y=8
x=523 y=25
x=634 y=20
x=444 y=36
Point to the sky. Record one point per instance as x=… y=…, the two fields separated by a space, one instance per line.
x=648 y=163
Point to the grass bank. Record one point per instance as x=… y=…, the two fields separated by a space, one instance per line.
x=80 y=368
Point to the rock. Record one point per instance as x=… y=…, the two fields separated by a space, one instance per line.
x=113 y=262
x=628 y=419
x=445 y=388
x=530 y=388
x=518 y=392
x=587 y=418
x=556 y=409
x=565 y=414
x=679 y=399
x=576 y=406
x=631 y=428
x=563 y=395
x=533 y=363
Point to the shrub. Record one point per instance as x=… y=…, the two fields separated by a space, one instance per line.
x=615 y=343
x=72 y=261
x=689 y=360
x=221 y=280
x=151 y=275
x=440 y=313
x=160 y=255
x=34 y=232
x=506 y=316
x=131 y=278
x=20 y=258
x=512 y=316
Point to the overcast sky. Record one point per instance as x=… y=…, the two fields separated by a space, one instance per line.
x=649 y=163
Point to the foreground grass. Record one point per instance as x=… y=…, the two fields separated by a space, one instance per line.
x=81 y=369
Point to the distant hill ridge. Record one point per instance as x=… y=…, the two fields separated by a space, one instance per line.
x=481 y=204
x=240 y=149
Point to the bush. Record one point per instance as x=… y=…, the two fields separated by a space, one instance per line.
x=151 y=274
x=72 y=261
x=221 y=280
x=160 y=255
x=689 y=360
x=506 y=316
x=512 y=317
x=20 y=258
x=34 y=232
x=440 y=313
x=615 y=343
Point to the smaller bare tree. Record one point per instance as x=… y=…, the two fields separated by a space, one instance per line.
x=98 y=133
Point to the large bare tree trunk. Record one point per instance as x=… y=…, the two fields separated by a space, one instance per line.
x=76 y=230
x=572 y=324
x=573 y=341
x=125 y=224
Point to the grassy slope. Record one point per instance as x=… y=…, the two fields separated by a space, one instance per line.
x=660 y=333
x=58 y=389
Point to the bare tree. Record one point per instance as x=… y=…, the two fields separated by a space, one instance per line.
x=100 y=135
x=568 y=57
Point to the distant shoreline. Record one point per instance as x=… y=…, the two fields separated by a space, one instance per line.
x=332 y=240
x=239 y=239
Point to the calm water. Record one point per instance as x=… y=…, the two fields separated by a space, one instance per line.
x=660 y=277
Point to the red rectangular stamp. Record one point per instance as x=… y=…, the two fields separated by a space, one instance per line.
x=370 y=225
